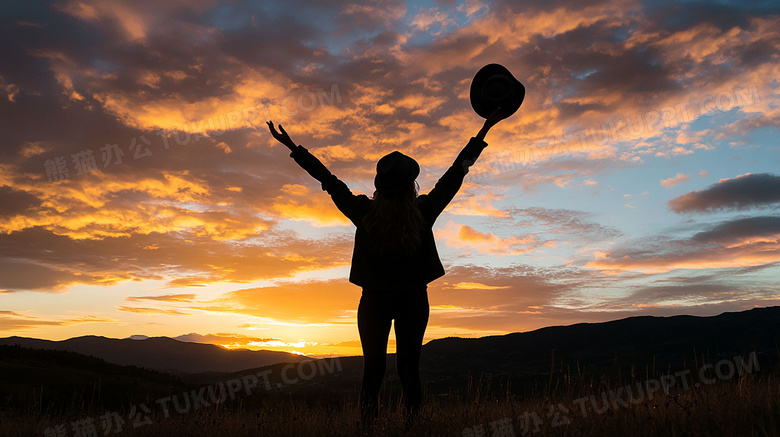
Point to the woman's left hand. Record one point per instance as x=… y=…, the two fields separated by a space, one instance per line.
x=496 y=116
x=493 y=119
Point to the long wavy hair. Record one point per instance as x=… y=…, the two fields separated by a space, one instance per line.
x=394 y=222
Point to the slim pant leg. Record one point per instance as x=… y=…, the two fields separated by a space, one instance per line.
x=374 y=321
x=411 y=319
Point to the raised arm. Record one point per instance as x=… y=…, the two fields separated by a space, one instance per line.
x=345 y=201
x=449 y=184
x=306 y=160
x=468 y=156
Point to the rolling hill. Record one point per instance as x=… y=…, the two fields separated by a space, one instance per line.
x=161 y=353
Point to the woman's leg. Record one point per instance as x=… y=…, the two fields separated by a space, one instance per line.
x=411 y=319
x=374 y=323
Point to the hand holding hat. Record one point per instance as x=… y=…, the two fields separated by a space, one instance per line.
x=494 y=87
x=497 y=115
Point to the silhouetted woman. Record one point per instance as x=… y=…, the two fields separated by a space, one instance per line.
x=394 y=257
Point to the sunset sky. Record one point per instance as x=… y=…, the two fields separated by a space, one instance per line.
x=141 y=193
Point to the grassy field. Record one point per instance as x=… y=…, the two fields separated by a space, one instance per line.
x=647 y=376
x=711 y=403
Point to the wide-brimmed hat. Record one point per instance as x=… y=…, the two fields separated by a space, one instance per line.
x=494 y=86
x=395 y=172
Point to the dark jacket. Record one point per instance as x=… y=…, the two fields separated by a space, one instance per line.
x=369 y=268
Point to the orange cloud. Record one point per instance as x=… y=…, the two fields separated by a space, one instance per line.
x=153 y=311
x=298 y=202
x=328 y=302
x=164 y=298
x=477 y=286
x=183 y=260
x=13 y=321
x=133 y=24
x=670 y=182
x=468 y=237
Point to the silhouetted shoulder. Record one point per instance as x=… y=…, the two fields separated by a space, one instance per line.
x=354 y=207
x=427 y=209
x=363 y=202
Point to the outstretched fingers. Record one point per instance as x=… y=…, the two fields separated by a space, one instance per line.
x=281 y=137
x=278 y=136
x=272 y=128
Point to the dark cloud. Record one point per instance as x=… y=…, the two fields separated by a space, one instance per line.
x=24 y=274
x=678 y=16
x=742 y=192
x=13 y=202
x=595 y=63
x=537 y=6
x=740 y=229
x=758 y=52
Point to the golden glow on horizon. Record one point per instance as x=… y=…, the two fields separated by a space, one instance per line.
x=477 y=286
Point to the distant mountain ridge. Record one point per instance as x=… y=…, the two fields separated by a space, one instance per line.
x=597 y=346
x=659 y=341
x=161 y=353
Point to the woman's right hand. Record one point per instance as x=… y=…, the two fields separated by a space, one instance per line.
x=283 y=137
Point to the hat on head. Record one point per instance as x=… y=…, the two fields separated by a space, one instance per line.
x=394 y=172
x=494 y=86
